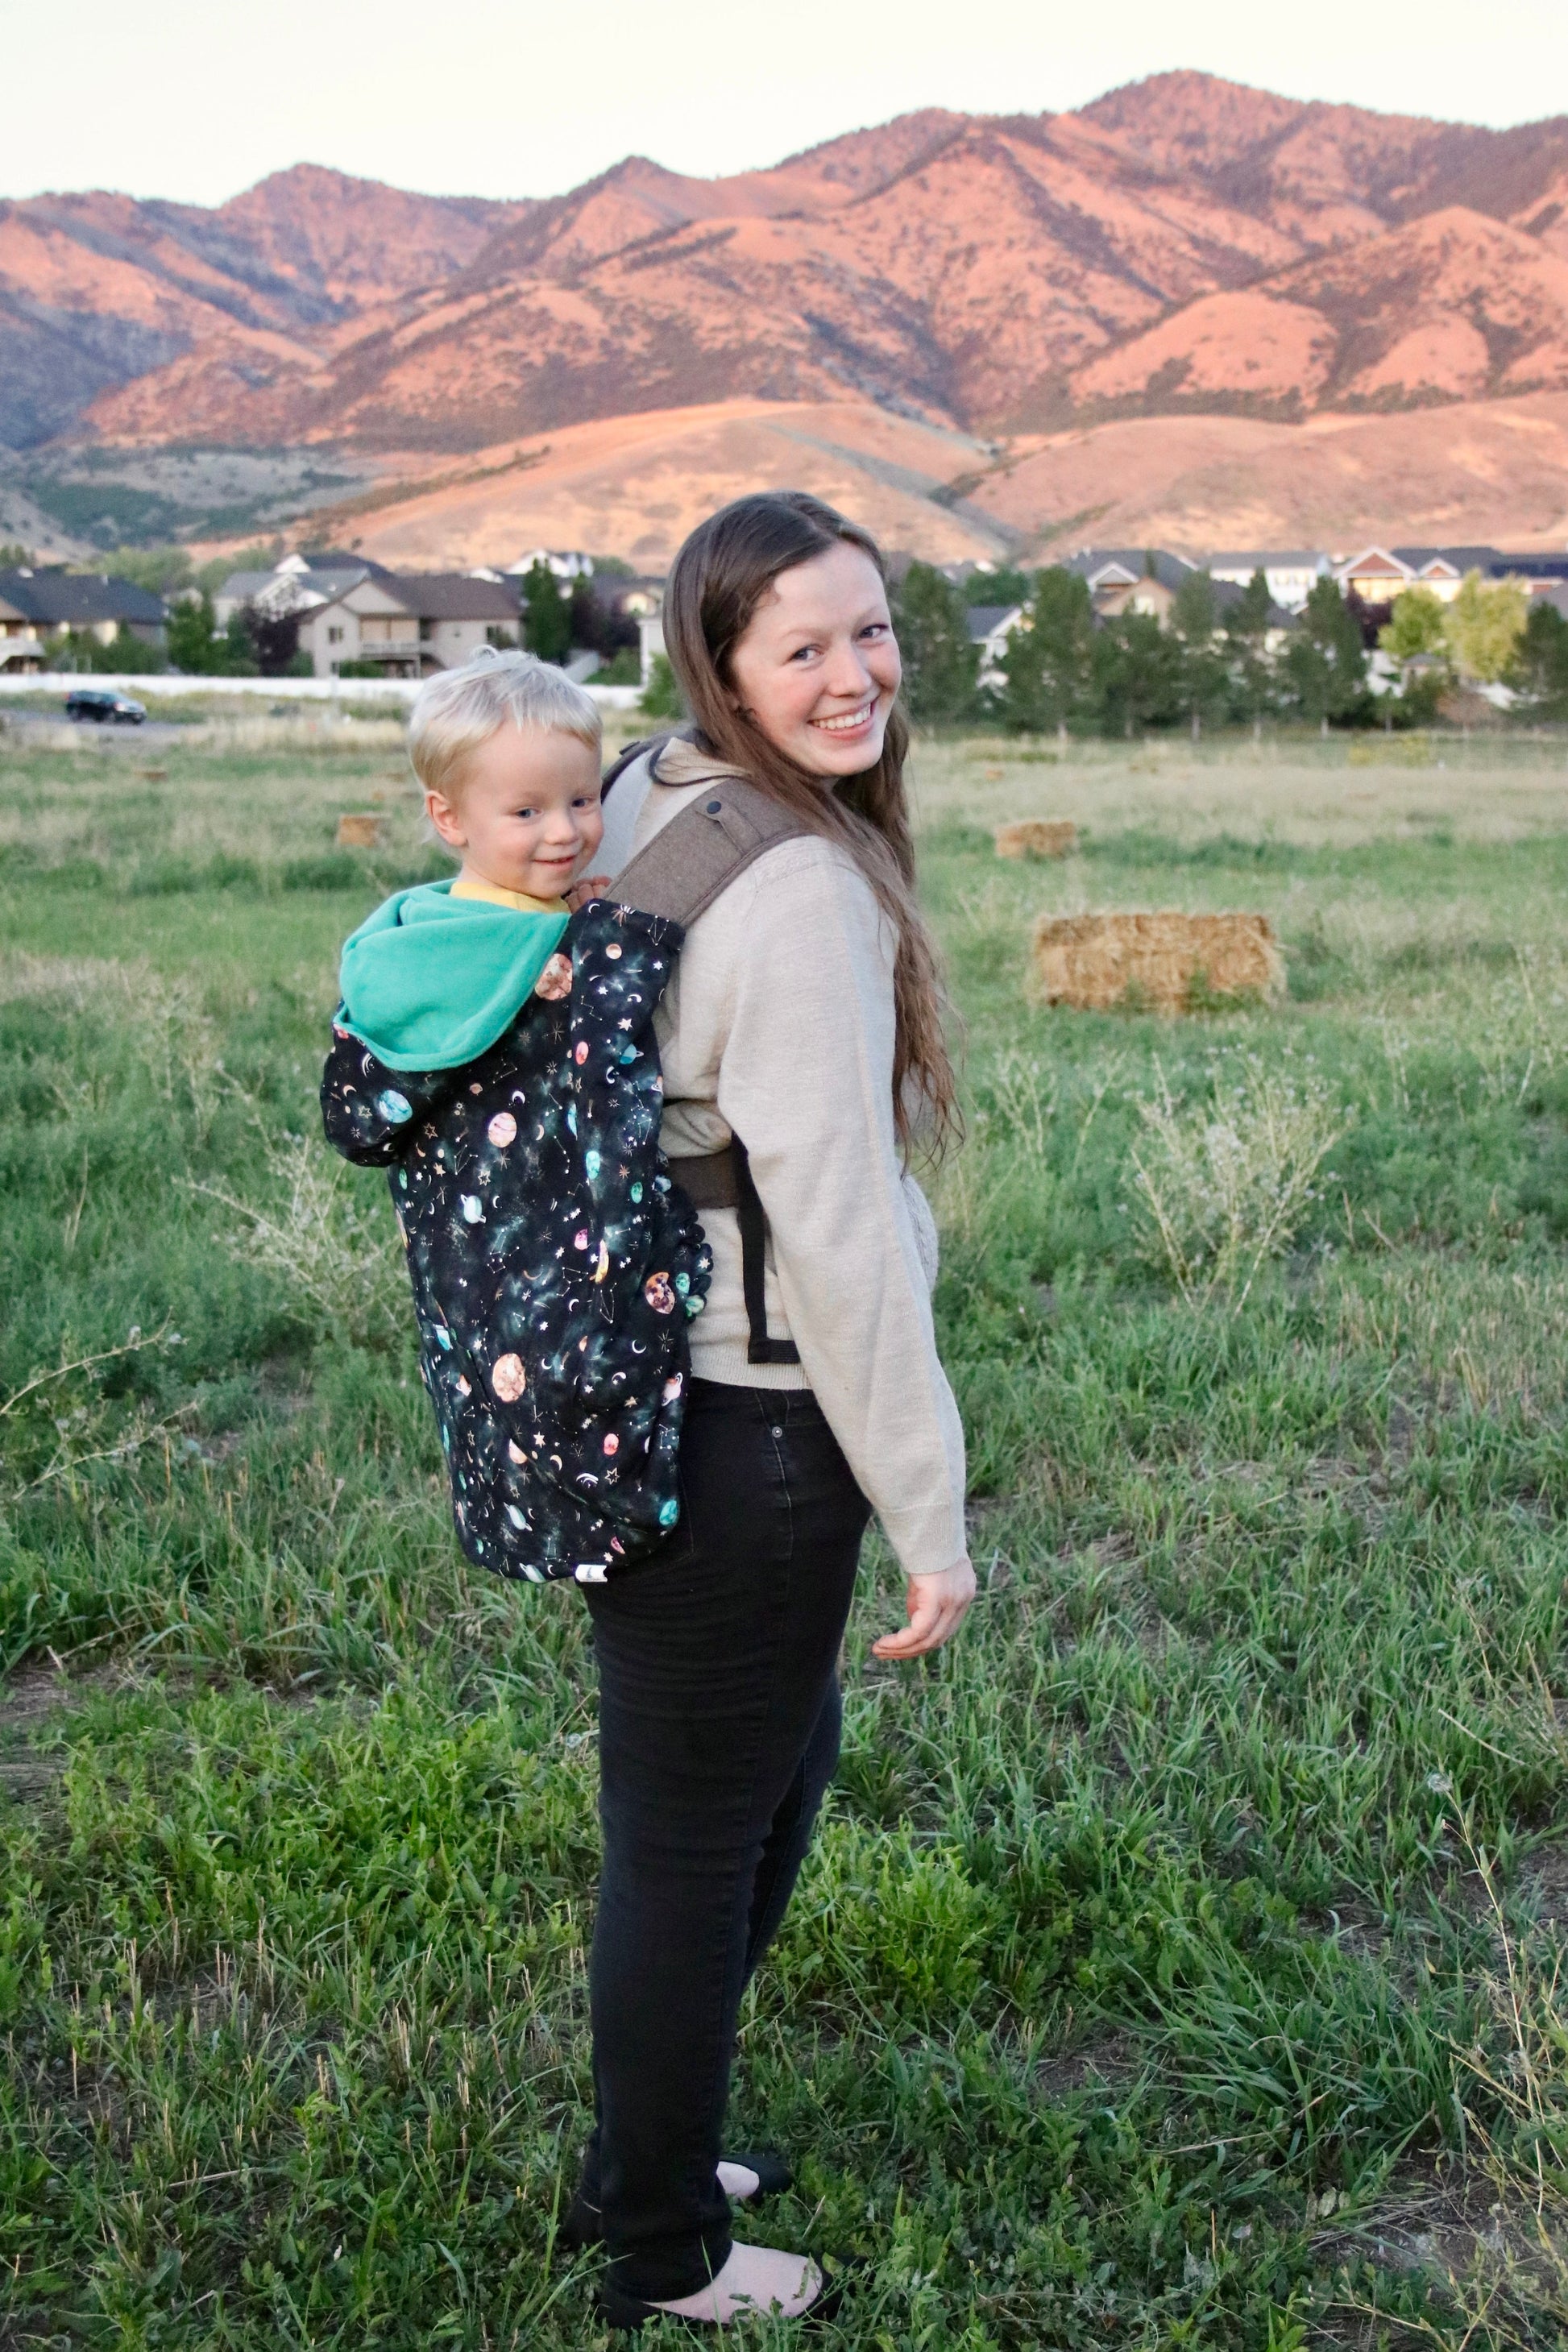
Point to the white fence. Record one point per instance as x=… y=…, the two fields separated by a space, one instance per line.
x=169 y=685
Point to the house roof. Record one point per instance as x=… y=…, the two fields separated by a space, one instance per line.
x=451 y=595
x=1132 y=563
x=1267 y=559
x=1228 y=593
x=1366 y=558
x=76 y=600
x=1463 y=558
x=984 y=620
x=293 y=590
x=340 y=558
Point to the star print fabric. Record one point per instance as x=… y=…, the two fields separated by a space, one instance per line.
x=554 y=1265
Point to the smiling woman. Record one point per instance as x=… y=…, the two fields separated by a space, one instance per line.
x=806 y=1018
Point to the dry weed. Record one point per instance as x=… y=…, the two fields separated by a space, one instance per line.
x=333 y=1259
x=1223 y=1185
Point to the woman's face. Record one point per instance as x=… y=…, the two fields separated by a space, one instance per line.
x=819 y=666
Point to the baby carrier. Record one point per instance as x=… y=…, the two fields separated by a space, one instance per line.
x=556 y=1257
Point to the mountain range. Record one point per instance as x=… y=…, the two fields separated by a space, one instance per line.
x=1183 y=247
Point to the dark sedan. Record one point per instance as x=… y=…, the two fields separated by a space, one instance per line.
x=107 y=710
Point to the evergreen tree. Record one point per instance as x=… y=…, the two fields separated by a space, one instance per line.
x=1138 y=675
x=931 y=621
x=1250 y=672
x=1204 y=672
x=1540 y=661
x=547 y=615
x=1050 y=655
x=1326 y=660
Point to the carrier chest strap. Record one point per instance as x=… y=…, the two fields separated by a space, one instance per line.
x=689 y=864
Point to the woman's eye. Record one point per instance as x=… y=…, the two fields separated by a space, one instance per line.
x=803 y=653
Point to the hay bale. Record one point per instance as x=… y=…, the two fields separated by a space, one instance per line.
x=1166 y=961
x=1037 y=836
x=363 y=831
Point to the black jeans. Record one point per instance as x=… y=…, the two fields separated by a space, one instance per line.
x=718 y=1722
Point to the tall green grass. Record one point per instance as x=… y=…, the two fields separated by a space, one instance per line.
x=1177 y=1962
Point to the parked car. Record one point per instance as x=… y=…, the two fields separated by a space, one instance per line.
x=108 y=709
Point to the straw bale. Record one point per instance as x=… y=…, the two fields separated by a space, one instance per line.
x=363 y=831
x=1037 y=836
x=1162 y=961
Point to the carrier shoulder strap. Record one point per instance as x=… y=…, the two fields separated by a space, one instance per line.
x=693 y=859
x=689 y=864
x=653 y=744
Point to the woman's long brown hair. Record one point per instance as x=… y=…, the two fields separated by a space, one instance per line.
x=721 y=576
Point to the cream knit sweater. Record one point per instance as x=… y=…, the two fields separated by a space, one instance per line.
x=778 y=1025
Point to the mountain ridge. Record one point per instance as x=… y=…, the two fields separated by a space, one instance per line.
x=1181 y=245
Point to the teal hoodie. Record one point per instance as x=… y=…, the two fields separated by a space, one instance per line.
x=430 y=980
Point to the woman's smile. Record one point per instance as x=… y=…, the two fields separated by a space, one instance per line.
x=849 y=722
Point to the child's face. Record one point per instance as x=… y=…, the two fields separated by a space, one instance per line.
x=528 y=816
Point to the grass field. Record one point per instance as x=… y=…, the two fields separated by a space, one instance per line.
x=1178 y=1963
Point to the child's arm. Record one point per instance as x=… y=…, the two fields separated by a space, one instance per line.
x=370 y=1112
x=592 y=886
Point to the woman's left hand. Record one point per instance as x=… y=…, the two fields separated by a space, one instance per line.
x=936 y=1606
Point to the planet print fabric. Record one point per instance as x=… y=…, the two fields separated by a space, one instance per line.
x=429 y=981
x=555 y=1266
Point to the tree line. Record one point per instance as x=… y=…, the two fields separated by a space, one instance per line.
x=1212 y=663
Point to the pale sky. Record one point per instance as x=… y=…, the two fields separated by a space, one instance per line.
x=197 y=98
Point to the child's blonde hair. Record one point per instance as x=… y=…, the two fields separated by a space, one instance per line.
x=459 y=709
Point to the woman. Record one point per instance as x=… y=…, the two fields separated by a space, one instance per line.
x=804 y=1018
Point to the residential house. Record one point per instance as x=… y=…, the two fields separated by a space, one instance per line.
x=21 y=639
x=1378 y=575
x=990 y=627
x=1131 y=579
x=37 y=604
x=567 y=564
x=350 y=611
x=1291 y=574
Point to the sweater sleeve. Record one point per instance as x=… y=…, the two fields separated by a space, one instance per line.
x=805 y=1079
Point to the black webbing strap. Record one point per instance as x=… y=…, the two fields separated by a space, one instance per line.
x=722 y=1180
x=759 y=1349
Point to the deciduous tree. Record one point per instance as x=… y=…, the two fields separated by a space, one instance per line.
x=1415 y=626
x=1482 y=627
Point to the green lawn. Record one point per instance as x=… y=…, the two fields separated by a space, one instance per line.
x=1177 y=1964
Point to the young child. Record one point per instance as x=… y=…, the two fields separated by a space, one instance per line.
x=494 y=1050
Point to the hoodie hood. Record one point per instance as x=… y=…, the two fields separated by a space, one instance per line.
x=429 y=981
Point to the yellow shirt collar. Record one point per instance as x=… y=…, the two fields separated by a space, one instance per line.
x=518 y=901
